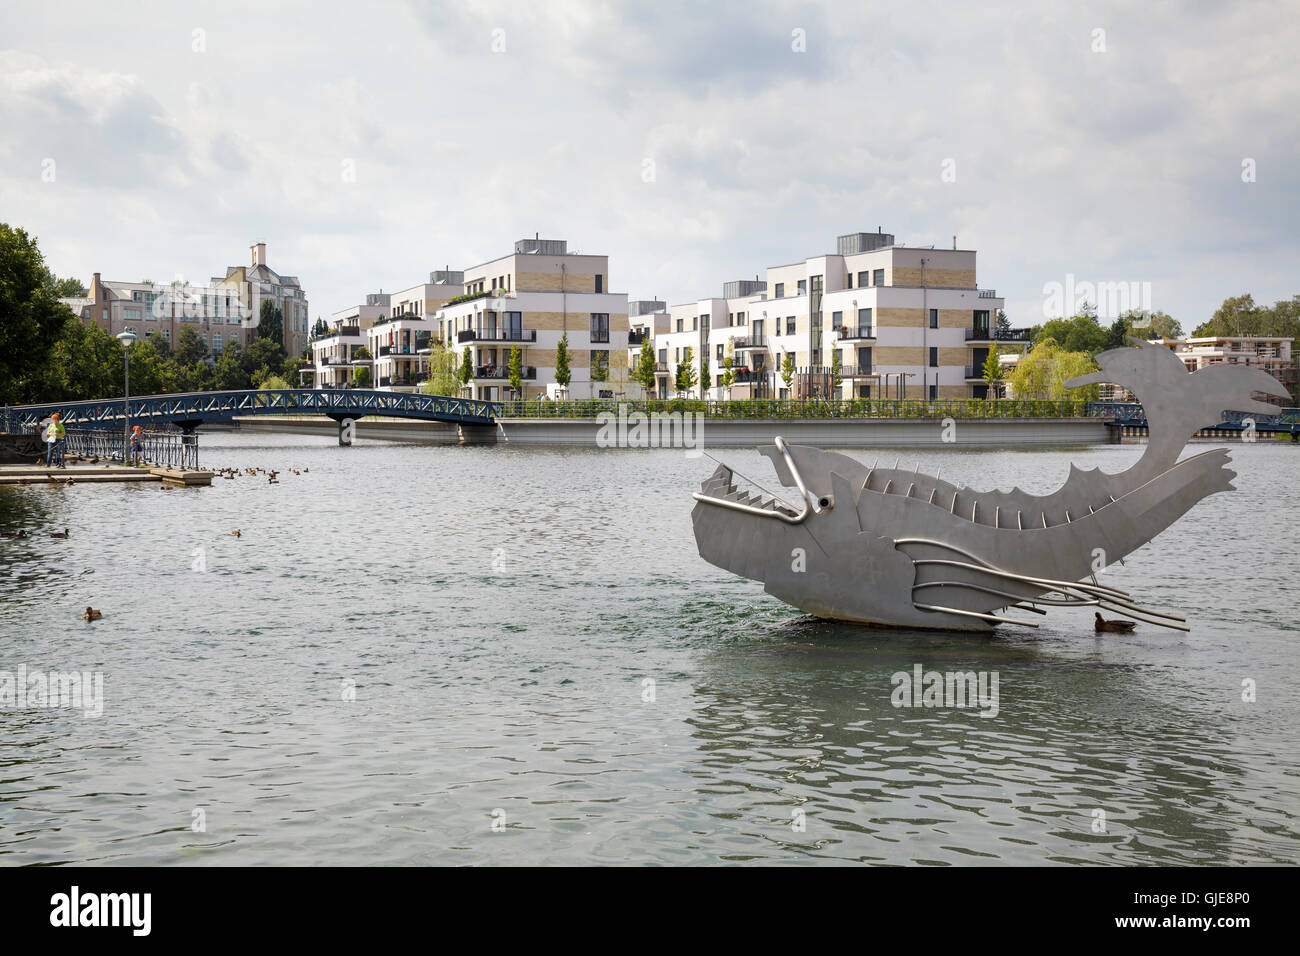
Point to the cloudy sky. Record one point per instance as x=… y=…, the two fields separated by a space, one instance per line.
x=692 y=143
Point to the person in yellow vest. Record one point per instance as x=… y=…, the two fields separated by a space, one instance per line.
x=56 y=437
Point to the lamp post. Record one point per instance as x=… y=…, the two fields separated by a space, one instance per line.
x=127 y=337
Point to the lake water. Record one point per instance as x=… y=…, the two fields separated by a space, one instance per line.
x=499 y=614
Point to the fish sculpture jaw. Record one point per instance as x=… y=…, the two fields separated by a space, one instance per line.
x=900 y=548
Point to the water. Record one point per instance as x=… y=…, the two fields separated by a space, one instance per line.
x=499 y=611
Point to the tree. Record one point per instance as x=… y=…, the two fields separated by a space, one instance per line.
x=190 y=347
x=86 y=363
x=644 y=374
x=562 y=372
x=228 y=372
x=1042 y=373
x=444 y=371
x=1082 y=333
x=31 y=317
x=150 y=375
x=787 y=371
x=466 y=368
x=686 y=371
x=270 y=323
x=1003 y=323
x=837 y=372
x=273 y=381
x=599 y=365
x=320 y=328
x=993 y=370
x=361 y=377
x=516 y=371
x=728 y=364
x=704 y=371
x=262 y=356
x=66 y=288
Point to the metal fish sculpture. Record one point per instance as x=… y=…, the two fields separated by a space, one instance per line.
x=905 y=549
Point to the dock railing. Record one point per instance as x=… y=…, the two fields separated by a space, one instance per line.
x=160 y=447
x=805 y=408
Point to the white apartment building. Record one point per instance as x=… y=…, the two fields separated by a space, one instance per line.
x=906 y=322
x=400 y=341
x=646 y=319
x=529 y=299
x=334 y=353
x=1271 y=353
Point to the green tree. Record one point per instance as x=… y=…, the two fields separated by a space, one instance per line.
x=320 y=328
x=1042 y=373
x=787 y=371
x=1082 y=333
x=228 y=372
x=599 y=365
x=686 y=371
x=993 y=369
x=86 y=363
x=270 y=323
x=150 y=374
x=562 y=372
x=361 y=377
x=728 y=366
x=444 y=371
x=837 y=371
x=515 y=369
x=190 y=347
x=645 y=366
x=261 y=355
x=66 y=288
x=273 y=381
x=31 y=317
x=1003 y=323
x=705 y=377
x=466 y=367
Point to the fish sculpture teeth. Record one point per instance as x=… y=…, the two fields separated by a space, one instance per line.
x=901 y=548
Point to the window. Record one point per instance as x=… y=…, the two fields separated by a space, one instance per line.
x=934 y=357
x=513 y=324
x=780 y=290
x=720 y=353
x=934 y=392
x=216 y=341
x=878 y=277
x=600 y=282
x=837 y=319
x=663 y=356
x=757 y=337
x=600 y=326
x=695 y=323
x=599 y=360
x=864 y=279
x=167 y=335
x=740 y=318
x=934 y=318
x=864 y=320
x=789 y=325
x=679 y=325
x=849 y=281
x=803 y=286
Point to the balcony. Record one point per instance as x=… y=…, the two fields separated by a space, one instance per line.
x=987 y=334
x=503 y=372
x=753 y=342
x=988 y=293
x=661 y=366
x=353 y=330
x=496 y=335
x=637 y=336
x=861 y=333
x=408 y=350
x=857 y=371
x=748 y=376
x=974 y=373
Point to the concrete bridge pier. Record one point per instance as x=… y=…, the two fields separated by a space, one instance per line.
x=347 y=428
x=477 y=434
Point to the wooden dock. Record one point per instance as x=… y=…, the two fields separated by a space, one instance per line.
x=78 y=473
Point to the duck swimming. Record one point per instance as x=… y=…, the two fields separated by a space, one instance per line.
x=91 y=614
x=1114 y=627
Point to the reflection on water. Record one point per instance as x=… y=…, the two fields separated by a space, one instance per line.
x=531 y=640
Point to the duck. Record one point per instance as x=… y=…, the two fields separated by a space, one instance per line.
x=91 y=614
x=236 y=533
x=69 y=481
x=59 y=534
x=1115 y=627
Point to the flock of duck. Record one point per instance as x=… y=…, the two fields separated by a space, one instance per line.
x=272 y=476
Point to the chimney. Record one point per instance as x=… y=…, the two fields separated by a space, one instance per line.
x=257 y=254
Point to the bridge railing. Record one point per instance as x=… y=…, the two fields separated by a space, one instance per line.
x=164 y=448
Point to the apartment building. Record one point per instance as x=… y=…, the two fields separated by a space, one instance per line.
x=1271 y=353
x=336 y=353
x=646 y=319
x=257 y=282
x=530 y=299
x=903 y=321
x=159 y=311
x=399 y=342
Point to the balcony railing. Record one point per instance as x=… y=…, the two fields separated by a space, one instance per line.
x=661 y=366
x=849 y=333
x=752 y=342
x=984 y=334
x=988 y=293
x=496 y=335
x=503 y=371
x=857 y=371
x=975 y=372
x=354 y=330
x=397 y=350
x=636 y=337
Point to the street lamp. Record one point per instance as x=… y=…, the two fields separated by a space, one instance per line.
x=127 y=337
